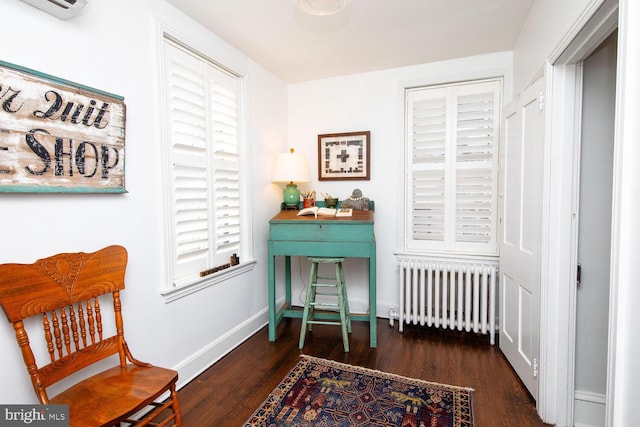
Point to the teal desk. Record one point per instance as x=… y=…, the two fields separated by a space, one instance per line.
x=291 y=235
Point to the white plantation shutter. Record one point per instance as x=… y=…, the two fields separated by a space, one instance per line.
x=203 y=122
x=428 y=155
x=476 y=163
x=226 y=169
x=452 y=167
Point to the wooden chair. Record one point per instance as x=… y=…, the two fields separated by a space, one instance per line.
x=69 y=294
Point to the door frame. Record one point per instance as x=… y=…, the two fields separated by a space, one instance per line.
x=562 y=156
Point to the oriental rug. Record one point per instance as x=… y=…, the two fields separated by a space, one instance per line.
x=319 y=392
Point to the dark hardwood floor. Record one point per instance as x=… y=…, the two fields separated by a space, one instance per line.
x=227 y=393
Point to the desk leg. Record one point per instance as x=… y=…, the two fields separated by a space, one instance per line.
x=271 y=271
x=373 y=302
x=287 y=281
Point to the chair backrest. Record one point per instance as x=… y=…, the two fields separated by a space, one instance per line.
x=62 y=291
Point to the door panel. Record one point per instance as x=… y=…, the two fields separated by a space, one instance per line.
x=526 y=342
x=521 y=240
x=509 y=313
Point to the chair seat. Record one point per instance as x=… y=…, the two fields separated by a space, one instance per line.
x=325 y=260
x=115 y=392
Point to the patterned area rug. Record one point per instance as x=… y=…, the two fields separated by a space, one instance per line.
x=319 y=392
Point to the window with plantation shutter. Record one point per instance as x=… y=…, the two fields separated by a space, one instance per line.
x=452 y=168
x=204 y=171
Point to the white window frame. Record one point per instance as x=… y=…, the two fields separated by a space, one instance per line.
x=183 y=281
x=440 y=171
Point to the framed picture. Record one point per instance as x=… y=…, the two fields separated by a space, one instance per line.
x=343 y=156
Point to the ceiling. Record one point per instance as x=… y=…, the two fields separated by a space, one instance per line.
x=368 y=35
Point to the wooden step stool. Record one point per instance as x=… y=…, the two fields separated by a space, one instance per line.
x=336 y=287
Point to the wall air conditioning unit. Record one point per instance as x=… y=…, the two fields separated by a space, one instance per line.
x=63 y=9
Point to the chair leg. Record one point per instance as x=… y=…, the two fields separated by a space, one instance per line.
x=342 y=303
x=312 y=299
x=344 y=295
x=308 y=309
x=177 y=411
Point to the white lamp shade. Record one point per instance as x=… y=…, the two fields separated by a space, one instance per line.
x=291 y=167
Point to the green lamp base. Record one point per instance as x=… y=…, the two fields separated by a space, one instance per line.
x=291 y=195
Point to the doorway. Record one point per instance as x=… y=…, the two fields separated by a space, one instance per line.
x=557 y=403
x=594 y=233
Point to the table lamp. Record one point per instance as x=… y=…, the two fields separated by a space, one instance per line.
x=291 y=168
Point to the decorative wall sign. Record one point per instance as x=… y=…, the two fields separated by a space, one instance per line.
x=58 y=136
x=344 y=156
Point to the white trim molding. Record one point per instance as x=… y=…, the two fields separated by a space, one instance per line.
x=590 y=409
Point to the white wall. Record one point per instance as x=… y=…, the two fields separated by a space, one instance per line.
x=374 y=101
x=547 y=25
x=113 y=46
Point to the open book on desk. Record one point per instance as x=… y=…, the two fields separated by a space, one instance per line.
x=322 y=211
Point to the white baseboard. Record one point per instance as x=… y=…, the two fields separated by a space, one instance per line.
x=589 y=409
x=200 y=361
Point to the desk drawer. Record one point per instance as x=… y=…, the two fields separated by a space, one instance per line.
x=344 y=232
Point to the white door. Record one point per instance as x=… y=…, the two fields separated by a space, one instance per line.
x=520 y=242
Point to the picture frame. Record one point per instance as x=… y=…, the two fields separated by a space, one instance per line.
x=344 y=156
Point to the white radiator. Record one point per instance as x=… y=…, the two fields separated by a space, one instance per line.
x=443 y=294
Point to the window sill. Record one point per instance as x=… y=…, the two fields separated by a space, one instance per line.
x=178 y=292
